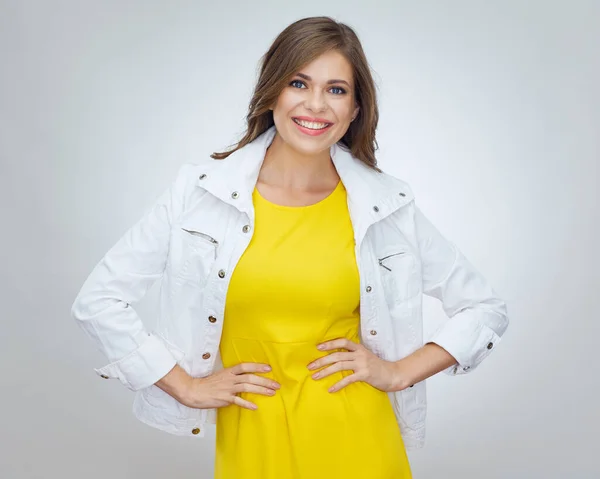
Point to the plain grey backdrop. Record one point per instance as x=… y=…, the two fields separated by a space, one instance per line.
x=490 y=110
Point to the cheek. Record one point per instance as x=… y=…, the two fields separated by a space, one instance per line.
x=286 y=102
x=343 y=112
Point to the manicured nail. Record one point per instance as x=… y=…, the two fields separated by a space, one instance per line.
x=321 y=346
x=266 y=368
x=316 y=375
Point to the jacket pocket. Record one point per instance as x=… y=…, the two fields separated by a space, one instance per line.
x=399 y=272
x=199 y=237
x=192 y=255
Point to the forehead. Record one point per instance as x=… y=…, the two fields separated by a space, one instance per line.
x=330 y=64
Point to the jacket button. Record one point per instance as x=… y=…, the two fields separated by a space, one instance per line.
x=235 y=195
x=375 y=208
x=369 y=289
x=202 y=176
x=455 y=369
x=490 y=345
x=373 y=332
x=196 y=430
x=246 y=228
x=402 y=194
x=212 y=319
x=221 y=273
x=104 y=376
x=206 y=356
x=466 y=368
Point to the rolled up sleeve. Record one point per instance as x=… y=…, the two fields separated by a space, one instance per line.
x=104 y=306
x=477 y=317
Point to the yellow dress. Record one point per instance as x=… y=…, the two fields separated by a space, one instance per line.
x=297 y=285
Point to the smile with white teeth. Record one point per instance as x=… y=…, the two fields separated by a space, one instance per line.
x=311 y=125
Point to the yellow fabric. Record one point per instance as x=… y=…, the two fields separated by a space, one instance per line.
x=297 y=285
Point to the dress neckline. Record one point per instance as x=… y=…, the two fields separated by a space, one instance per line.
x=337 y=188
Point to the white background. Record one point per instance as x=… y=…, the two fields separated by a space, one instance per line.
x=489 y=110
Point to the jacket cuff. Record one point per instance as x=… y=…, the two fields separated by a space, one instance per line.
x=467 y=338
x=144 y=366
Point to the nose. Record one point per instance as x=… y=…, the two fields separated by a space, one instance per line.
x=316 y=101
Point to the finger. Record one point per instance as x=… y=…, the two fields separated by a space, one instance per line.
x=331 y=358
x=243 y=403
x=242 y=368
x=259 y=380
x=339 y=366
x=344 y=343
x=252 y=388
x=352 y=378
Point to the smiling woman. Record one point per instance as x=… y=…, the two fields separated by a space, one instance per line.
x=290 y=292
x=291 y=240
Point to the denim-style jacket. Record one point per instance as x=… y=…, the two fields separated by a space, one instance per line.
x=191 y=239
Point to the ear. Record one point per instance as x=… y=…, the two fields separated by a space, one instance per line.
x=355 y=113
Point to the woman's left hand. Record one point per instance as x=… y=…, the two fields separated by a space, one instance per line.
x=366 y=366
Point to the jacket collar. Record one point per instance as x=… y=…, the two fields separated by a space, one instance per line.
x=371 y=195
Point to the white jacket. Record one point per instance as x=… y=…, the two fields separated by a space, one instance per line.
x=192 y=239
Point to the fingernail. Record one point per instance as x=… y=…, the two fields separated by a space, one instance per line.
x=321 y=346
x=266 y=368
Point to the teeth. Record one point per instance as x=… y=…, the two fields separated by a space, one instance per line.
x=311 y=125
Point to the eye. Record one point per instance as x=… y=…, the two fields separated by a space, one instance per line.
x=296 y=81
x=342 y=91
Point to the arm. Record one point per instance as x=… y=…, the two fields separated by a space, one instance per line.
x=104 y=308
x=477 y=316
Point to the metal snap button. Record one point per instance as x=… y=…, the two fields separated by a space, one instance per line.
x=466 y=368
x=373 y=332
x=369 y=289
x=235 y=195
x=490 y=346
x=206 y=356
x=455 y=369
x=402 y=194
x=212 y=319
x=221 y=273
x=375 y=208
x=196 y=430
x=202 y=176
x=104 y=376
x=246 y=228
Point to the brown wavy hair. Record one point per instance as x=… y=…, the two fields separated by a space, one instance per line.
x=299 y=44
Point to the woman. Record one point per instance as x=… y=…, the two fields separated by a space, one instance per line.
x=292 y=240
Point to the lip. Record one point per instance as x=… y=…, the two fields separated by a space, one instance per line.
x=316 y=120
x=308 y=131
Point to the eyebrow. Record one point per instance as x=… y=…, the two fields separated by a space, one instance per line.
x=329 y=82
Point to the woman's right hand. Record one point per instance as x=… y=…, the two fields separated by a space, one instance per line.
x=221 y=388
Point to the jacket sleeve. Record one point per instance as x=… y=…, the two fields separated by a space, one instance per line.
x=104 y=307
x=477 y=316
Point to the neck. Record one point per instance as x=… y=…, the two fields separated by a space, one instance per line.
x=285 y=167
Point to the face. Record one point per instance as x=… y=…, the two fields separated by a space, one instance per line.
x=315 y=108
